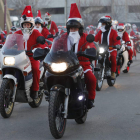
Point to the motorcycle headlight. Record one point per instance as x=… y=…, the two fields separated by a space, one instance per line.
x=10 y=61
x=59 y=67
x=101 y=50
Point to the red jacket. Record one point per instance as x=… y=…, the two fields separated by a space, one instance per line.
x=132 y=33
x=32 y=39
x=53 y=28
x=126 y=38
x=111 y=39
x=84 y=62
x=2 y=39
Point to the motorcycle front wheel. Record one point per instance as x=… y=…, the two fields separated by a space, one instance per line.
x=6 y=92
x=98 y=75
x=57 y=122
x=138 y=48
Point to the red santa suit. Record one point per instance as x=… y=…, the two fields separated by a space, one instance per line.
x=111 y=41
x=2 y=39
x=126 y=38
x=84 y=62
x=30 y=42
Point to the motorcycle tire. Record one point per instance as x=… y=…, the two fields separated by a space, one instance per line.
x=111 y=82
x=6 y=92
x=55 y=112
x=36 y=102
x=82 y=119
x=138 y=48
x=98 y=74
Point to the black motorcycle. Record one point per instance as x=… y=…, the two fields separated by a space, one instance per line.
x=64 y=78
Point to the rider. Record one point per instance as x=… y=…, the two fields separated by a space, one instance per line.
x=13 y=30
x=89 y=30
x=125 y=37
x=51 y=25
x=39 y=26
x=30 y=35
x=134 y=30
x=60 y=29
x=2 y=39
x=128 y=28
x=75 y=27
x=108 y=36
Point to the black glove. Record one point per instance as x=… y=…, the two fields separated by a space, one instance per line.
x=50 y=36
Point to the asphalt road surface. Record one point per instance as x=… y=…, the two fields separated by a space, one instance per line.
x=115 y=117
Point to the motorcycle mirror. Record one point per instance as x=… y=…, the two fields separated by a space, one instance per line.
x=90 y=53
x=118 y=38
x=40 y=54
x=48 y=41
x=90 y=38
x=41 y=40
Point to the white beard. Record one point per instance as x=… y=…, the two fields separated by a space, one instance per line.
x=46 y=22
x=39 y=29
x=103 y=28
x=26 y=36
x=120 y=34
x=74 y=37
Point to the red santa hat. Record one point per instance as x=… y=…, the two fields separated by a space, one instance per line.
x=121 y=26
x=39 y=14
x=75 y=14
x=27 y=16
x=47 y=14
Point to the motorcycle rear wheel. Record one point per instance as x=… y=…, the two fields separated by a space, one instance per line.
x=98 y=75
x=6 y=92
x=36 y=102
x=57 y=122
x=111 y=82
x=138 y=48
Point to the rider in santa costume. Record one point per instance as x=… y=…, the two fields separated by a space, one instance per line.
x=50 y=25
x=125 y=37
x=89 y=30
x=60 y=29
x=108 y=37
x=30 y=35
x=40 y=27
x=75 y=27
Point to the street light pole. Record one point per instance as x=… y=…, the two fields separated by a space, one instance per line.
x=65 y=11
x=4 y=15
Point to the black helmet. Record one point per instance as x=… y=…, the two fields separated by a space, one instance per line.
x=39 y=20
x=13 y=28
x=77 y=23
x=107 y=20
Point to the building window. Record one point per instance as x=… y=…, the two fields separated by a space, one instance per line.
x=52 y=10
x=96 y=9
x=134 y=9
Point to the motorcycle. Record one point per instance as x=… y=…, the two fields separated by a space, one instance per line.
x=136 y=40
x=67 y=96
x=104 y=68
x=16 y=74
x=122 y=58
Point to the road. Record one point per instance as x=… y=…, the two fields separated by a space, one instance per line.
x=116 y=115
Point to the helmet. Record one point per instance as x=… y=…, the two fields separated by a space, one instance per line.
x=75 y=19
x=27 y=17
x=13 y=28
x=128 y=27
x=47 y=16
x=134 y=27
x=107 y=20
x=39 y=20
x=121 y=27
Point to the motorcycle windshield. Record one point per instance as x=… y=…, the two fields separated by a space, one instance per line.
x=14 y=45
x=61 y=51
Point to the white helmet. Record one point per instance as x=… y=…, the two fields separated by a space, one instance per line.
x=128 y=28
x=120 y=29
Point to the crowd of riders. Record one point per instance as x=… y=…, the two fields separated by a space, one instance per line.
x=108 y=33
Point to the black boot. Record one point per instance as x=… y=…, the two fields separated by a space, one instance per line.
x=90 y=104
x=129 y=62
x=34 y=94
